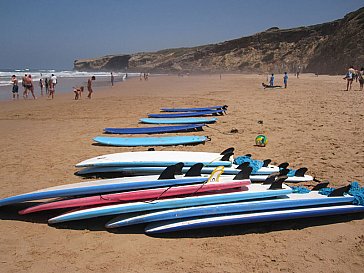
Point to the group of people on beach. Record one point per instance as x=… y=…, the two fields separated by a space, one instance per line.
x=28 y=86
x=271 y=81
x=354 y=74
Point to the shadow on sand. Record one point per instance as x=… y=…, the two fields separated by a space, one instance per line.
x=98 y=224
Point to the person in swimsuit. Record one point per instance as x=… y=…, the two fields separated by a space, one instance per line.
x=51 y=88
x=285 y=79
x=29 y=85
x=23 y=83
x=89 y=86
x=15 y=90
x=78 y=91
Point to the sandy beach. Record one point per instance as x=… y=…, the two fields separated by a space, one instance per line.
x=314 y=124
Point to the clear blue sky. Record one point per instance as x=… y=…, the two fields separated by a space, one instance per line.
x=53 y=33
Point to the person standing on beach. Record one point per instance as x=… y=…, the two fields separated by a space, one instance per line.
x=349 y=78
x=51 y=88
x=271 y=81
x=112 y=79
x=46 y=85
x=285 y=79
x=23 y=83
x=361 y=78
x=15 y=89
x=41 y=85
x=29 y=86
x=54 y=81
x=89 y=86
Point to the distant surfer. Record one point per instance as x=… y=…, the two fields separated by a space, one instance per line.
x=89 y=86
x=270 y=86
x=112 y=79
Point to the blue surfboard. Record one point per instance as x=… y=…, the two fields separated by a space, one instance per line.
x=154 y=130
x=99 y=186
x=294 y=200
x=149 y=141
x=188 y=114
x=254 y=192
x=218 y=107
x=177 y=120
x=246 y=218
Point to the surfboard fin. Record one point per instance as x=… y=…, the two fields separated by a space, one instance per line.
x=301 y=172
x=320 y=186
x=179 y=167
x=340 y=191
x=277 y=184
x=215 y=174
x=226 y=157
x=266 y=162
x=195 y=170
x=270 y=179
x=244 y=173
x=243 y=165
x=283 y=165
x=168 y=173
x=283 y=172
x=227 y=151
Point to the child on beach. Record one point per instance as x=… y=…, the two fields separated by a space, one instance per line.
x=285 y=79
x=15 y=89
x=41 y=85
x=78 y=91
x=271 y=81
x=89 y=86
x=361 y=78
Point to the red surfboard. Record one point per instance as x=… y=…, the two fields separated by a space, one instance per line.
x=139 y=195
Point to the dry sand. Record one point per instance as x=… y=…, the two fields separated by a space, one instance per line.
x=313 y=123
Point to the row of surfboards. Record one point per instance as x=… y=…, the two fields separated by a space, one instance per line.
x=182 y=120
x=172 y=202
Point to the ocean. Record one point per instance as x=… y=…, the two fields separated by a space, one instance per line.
x=66 y=80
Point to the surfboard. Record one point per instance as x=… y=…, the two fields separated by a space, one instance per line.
x=139 y=195
x=154 y=130
x=245 y=218
x=224 y=107
x=254 y=191
x=160 y=159
x=188 y=114
x=149 y=141
x=177 y=120
x=294 y=200
x=100 y=186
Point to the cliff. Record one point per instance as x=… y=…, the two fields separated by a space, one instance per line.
x=327 y=48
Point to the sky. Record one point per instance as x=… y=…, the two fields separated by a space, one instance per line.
x=51 y=34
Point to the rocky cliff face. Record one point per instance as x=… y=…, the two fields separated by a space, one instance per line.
x=327 y=48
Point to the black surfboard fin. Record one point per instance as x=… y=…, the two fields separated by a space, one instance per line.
x=266 y=162
x=340 y=191
x=277 y=184
x=168 y=173
x=320 y=186
x=244 y=173
x=248 y=155
x=227 y=151
x=301 y=172
x=226 y=157
x=283 y=172
x=243 y=165
x=283 y=165
x=225 y=107
x=195 y=170
x=179 y=167
x=271 y=178
x=151 y=149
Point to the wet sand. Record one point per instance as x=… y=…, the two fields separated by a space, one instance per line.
x=314 y=123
